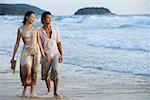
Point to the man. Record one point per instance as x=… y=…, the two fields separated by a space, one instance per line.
x=53 y=50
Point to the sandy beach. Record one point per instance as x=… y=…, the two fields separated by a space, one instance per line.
x=83 y=84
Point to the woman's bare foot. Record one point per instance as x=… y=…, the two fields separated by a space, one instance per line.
x=33 y=95
x=23 y=95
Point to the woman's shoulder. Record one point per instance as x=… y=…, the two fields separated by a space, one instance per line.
x=20 y=28
x=35 y=27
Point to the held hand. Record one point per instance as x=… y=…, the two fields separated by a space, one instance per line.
x=44 y=54
x=47 y=58
x=11 y=61
x=60 y=59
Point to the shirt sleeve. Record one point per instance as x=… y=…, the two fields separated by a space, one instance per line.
x=57 y=35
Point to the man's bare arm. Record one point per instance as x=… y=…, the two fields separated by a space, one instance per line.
x=59 y=45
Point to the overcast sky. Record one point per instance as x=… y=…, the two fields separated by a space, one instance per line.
x=68 y=7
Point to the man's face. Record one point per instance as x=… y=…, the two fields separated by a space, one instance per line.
x=47 y=19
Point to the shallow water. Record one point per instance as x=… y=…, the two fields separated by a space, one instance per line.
x=118 y=43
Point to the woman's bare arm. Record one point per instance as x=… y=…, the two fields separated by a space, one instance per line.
x=16 y=45
x=40 y=44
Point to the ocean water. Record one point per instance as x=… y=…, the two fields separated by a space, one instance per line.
x=117 y=43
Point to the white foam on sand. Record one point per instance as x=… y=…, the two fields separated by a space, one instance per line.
x=78 y=83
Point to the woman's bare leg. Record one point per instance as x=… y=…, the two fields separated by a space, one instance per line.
x=28 y=80
x=33 y=77
x=33 y=89
x=24 y=90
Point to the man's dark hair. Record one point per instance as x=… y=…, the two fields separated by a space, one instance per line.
x=44 y=15
x=27 y=14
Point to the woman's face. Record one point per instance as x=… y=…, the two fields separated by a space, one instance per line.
x=31 y=18
x=47 y=19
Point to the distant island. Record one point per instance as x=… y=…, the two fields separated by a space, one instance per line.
x=18 y=9
x=93 y=11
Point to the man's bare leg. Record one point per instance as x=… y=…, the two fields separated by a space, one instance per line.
x=48 y=84
x=56 y=87
x=56 y=94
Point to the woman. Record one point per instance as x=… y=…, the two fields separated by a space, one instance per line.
x=31 y=53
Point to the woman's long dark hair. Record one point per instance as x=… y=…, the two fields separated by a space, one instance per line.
x=27 y=14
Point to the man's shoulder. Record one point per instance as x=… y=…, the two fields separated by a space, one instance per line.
x=40 y=31
x=55 y=26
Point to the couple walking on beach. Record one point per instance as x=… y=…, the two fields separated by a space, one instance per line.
x=40 y=46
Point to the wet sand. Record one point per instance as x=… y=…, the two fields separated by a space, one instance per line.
x=78 y=83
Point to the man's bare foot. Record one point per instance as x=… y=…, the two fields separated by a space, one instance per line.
x=57 y=96
x=46 y=92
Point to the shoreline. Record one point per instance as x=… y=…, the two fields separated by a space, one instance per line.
x=77 y=83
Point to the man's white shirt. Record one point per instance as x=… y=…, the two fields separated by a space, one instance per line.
x=50 y=44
